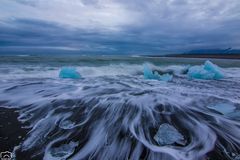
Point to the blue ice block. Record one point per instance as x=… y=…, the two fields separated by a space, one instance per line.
x=68 y=72
x=149 y=74
x=208 y=71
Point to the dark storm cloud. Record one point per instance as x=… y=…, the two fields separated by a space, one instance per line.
x=36 y=34
x=121 y=27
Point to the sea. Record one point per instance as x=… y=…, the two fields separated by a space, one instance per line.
x=113 y=113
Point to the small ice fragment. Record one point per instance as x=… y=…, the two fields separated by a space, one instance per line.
x=66 y=124
x=224 y=108
x=167 y=135
x=166 y=77
x=68 y=72
x=237 y=157
x=207 y=71
x=63 y=151
x=234 y=115
x=149 y=74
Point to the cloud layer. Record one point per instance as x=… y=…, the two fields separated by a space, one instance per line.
x=119 y=26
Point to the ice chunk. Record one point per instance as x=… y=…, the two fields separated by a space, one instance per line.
x=198 y=72
x=166 y=77
x=224 y=108
x=234 y=115
x=149 y=74
x=237 y=157
x=68 y=72
x=66 y=124
x=209 y=66
x=63 y=151
x=207 y=71
x=167 y=135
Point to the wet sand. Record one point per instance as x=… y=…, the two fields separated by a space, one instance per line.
x=12 y=134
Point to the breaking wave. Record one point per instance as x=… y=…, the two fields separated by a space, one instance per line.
x=20 y=72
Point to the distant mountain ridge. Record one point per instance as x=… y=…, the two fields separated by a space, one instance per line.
x=214 y=51
x=228 y=53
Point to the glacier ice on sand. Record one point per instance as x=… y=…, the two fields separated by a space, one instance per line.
x=62 y=152
x=224 y=108
x=69 y=72
x=208 y=71
x=237 y=157
x=66 y=124
x=167 y=135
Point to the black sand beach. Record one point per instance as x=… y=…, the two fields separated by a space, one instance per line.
x=12 y=132
x=113 y=112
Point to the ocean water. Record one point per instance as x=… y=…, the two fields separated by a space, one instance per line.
x=113 y=113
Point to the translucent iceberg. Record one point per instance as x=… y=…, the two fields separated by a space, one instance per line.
x=224 y=108
x=237 y=157
x=207 y=71
x=149 y=74
x=63 y=151
x=209 y=66
x=67 y=124
x=167 y=135
x=68 y=72
x=234 y=115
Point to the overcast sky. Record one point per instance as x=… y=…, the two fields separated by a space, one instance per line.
x=119 y=26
